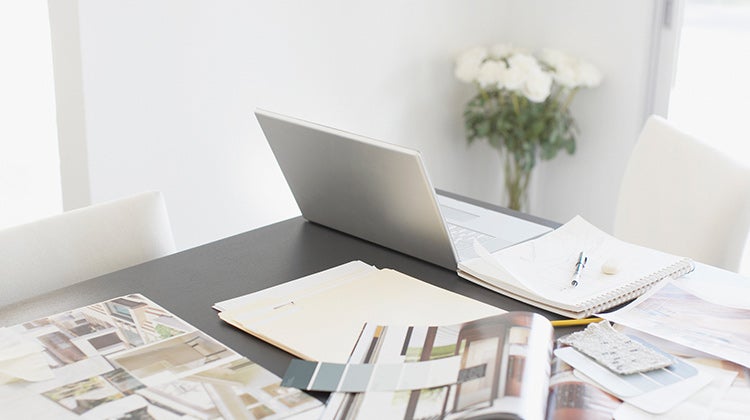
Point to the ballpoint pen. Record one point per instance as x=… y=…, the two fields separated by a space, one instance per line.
x=579 y=268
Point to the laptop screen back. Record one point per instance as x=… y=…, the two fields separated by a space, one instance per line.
x=373 y=190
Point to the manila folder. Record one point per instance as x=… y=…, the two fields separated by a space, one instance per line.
x=320 y=317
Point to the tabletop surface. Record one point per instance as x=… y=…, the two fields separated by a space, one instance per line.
x=188 y=283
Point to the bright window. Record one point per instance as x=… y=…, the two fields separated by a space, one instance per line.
x=711 y=94
x=29 y=160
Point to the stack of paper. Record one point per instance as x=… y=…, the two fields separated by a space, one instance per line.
x=320 y=317
x=702 y=318
x=697 y=318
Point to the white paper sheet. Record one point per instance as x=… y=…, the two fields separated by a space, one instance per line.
x=674 y=314
x=700 y=405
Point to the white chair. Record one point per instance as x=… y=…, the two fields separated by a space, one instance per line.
x=682 y=196
x=58 y=251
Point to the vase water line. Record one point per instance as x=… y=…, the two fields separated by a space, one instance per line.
x=516 y=183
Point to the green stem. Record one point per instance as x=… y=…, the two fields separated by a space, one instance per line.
x=516 y=106
x=485 y=95
x=570 y=97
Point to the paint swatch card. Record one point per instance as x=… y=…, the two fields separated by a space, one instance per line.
x=357 y=377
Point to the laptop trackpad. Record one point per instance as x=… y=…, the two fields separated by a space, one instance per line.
x=455 y=215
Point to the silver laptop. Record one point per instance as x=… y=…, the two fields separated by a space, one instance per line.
x=380 y=192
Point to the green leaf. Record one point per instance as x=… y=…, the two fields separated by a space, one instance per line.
x=512 y=124
x=483 y=128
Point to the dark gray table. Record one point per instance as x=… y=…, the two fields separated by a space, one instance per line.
x=190 y=282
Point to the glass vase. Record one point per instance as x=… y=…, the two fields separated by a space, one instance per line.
x=516 y=183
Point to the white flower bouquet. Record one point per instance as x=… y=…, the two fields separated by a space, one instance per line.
x=522 y=106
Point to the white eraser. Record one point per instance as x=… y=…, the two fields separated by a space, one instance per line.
x=611 y=266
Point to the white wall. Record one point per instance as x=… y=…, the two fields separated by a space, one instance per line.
x=29 y=164
x=169 y=88
x=616 y=37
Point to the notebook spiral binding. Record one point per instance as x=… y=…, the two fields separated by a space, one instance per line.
x=633 y=290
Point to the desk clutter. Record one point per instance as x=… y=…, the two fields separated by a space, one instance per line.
x=388 y=345
x=501 y=364
x=415 y=358
x=129 y=358
x=496 y=367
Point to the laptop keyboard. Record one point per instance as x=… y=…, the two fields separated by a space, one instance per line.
x=464 y=238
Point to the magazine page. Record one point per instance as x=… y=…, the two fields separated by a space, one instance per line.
x=129 y=358
x=502 y=370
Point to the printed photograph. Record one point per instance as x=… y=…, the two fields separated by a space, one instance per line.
x=104 y=328
x=172 y=358
x=234 y=390
x=128 y=358
x=80 y=397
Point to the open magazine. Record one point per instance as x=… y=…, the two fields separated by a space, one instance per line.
x=503 y=364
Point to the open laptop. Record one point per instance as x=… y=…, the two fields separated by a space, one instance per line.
x=380 y=192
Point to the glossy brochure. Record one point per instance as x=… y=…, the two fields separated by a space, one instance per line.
x=504 y=372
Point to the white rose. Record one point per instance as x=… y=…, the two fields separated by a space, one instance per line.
x=491 y=73
x=565 y=68
x=554 y=57
x=566 y=74
x=502 y=50
x=519 y=68
x=569 y=71
x=468 y=63
x=538 y=85
x=588 y=75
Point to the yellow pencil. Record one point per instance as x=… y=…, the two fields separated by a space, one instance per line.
x=574 y=322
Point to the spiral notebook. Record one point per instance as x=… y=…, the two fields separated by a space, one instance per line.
x=540 y=272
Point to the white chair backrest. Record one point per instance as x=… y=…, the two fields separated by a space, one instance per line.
x=682 y=196
x=81 y=244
